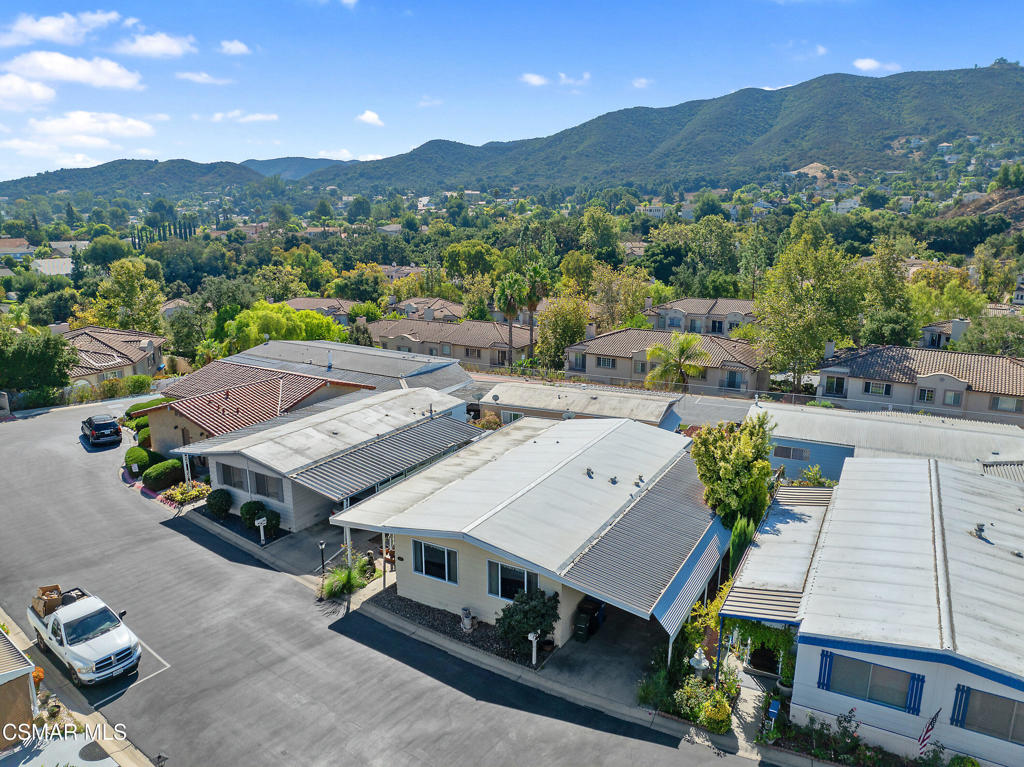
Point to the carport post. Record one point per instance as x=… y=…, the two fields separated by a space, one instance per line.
x=348 y=545
x=186 y=464
x=384 y=559
x=671 y=639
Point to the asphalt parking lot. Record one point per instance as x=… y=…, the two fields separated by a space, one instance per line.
x=242 y=665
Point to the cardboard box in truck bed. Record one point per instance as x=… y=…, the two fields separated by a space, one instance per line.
x=46 y=600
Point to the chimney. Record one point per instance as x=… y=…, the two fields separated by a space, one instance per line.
x=648 y=303
x=591 y=331
x=830 y=349
x=330 y=359
x=958 y=327
x=428 y=313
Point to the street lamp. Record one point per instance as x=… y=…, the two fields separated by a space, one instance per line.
x=323 y=569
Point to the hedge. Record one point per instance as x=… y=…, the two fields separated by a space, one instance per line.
x=142 y=458
x=137 y=384
x=148 y=403
x=218 y=503
x=162 y=475
x=251 y=511
x=142 y=435
x=139 y=423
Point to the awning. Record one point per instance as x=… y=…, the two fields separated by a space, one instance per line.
x=762 y=605
x=673 y=609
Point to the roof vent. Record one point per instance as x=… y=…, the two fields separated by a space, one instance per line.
x=614 y=480
x=590 y=472
x=979 y=531
x=1019 y=554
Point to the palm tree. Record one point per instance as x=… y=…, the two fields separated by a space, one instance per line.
x=509 y=295
x=536 y=289
x=676 y=361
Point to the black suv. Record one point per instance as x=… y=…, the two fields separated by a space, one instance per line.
x=101 y=429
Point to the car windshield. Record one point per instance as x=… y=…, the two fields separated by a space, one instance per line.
x=90 y=626
x=103 y=420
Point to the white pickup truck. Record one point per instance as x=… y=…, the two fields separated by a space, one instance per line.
x=84 y=634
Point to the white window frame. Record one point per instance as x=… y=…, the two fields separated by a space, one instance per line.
x=446 y=349
x=997 y=402
x=884 y=389
x=927 y=396
x=952 y=398
x=500 y=565
x=267 y=479
x=424 y=573
x=601 y=360
x=1016 y=713
x=509 y=416
x=226 y=469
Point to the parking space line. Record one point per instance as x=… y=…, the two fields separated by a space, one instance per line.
x=118 y=694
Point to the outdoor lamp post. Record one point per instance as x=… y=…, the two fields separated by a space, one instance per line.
x=323 y=568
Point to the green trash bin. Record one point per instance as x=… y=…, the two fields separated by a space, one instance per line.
x=581 y=628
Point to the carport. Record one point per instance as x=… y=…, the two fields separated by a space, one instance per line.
x=17 y=690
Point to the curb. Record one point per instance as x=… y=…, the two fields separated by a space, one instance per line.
x=122 y=751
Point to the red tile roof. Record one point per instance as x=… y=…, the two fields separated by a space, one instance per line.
x=628 y=341
x=473 y=333
x=102 y=349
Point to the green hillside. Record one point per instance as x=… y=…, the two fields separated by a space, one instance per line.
x=289 y=168
x=841 y=120
x=172 y=177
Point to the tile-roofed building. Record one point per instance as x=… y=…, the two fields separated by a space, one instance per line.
x=715 y=316
x=620 y=358
x=430 y=309
x=168 y=308
x=474 y=341
x=335 y=308
x=15 y=246
x=112 y=353
x=395 y=272
x=53 y=266
x=68 y=248
x=980 y=386
x=938 y=334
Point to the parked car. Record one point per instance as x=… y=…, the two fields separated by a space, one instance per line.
x=101 y=429
x=83 y=634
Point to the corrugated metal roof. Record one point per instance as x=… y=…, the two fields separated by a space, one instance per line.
x=636 y=558
x=762 y=605
x=13 y=662
x=365 y=465
x=673 y=610
x=883 y=434
x=605 y=403
x=1012 y=470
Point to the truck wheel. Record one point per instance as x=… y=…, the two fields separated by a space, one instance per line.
x=75 y=679
x=40 y=642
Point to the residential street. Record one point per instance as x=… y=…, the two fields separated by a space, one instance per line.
x=255 y=672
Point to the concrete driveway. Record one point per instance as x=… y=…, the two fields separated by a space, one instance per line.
x=242 y=665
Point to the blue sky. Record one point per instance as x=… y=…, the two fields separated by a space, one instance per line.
x=82 y=83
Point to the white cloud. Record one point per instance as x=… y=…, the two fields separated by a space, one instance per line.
x=57 y=67
x=130 y=22
x=238 y=116
x=429 y=101
x=349 y=3
x=642 y=82
x=4 y=128
x=370 y=118
x=874 y=65
x=564 y=79
x=335 y=154
x=52 y=154
x=533 y=79
x=820 y=49
x=773 y=87
x=144 y=152
x=82 y=123
x=17 y=93
x=158 y=45
x=234 y=48
x=203 y=78
x=66 y=29
x=157 y=117
x=367 y=157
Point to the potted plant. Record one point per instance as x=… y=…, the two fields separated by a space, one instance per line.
x=784 y=685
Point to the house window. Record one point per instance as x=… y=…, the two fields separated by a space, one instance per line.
x=674 y=322
x=1006 y=404
x=639 y=366
x=733 y=325
x=606 y=362
x=268 y=487
x=926 y=395
x=232 y=476
x=435 y=561
x=835 y=385
x=990 y=714
x=404 y=349
x=505 y=581
x=878 y=389
x=186 y=438
x=951 y=398
x=694 y=326
x=508 y=416
x=716 y=326
x=433 y=351
x=475 y=353
x=579 y=361
x=868 y=681
x=792 y=453
x=446 y=349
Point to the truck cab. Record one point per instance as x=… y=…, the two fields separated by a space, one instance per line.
x=84 y=634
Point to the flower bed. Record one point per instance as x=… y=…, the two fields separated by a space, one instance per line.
x=234 y=523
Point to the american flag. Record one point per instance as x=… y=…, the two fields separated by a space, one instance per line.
x=922 y=742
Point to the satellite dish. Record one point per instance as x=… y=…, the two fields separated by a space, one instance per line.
x=494 y=397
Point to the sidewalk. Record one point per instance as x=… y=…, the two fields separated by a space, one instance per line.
x=119 y=750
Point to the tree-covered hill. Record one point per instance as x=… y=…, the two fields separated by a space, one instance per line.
x=289 y=168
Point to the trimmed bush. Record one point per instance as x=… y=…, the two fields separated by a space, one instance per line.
x=143 y=437
x=142 y=422
x=138 y=456
x=137 y=384
x=962 y=761
x=218 y=503
x=251 y=511
x=273 y=523
x=148 y=403
x=111 y=388
x=162 y=475
x=525 y=614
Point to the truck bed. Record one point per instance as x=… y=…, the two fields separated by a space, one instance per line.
x=68 y=597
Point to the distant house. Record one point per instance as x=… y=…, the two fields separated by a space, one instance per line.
x=429 y=309
x=169 y=308
x=1018 y=292
x=620 y=358
x=395 y=272
x=57 y=267
x=111 y=353
x=846 y=206
x=981 y=386
x=335 y=308
x=310 y=462
x=717 y=316
x=472 y=341
x=16 y=247
x=939 y=334
x=390 y=229
x=523 y=317
x=68 y=248
x=654 y=211
x=944 y=148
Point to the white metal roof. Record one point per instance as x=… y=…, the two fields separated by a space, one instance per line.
x=897 y=563
x=288 y=446
x=884 y=434
x=581 y=400
x=525 y=491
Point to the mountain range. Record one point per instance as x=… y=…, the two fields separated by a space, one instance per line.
x=841 y=120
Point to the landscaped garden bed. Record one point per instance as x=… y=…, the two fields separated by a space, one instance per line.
x=217 y=509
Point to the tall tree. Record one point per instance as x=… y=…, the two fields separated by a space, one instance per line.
x=536 y=288
x=562 y=324
x=35 y=361
x=888 y=315
x=509 y=296
x=675 y=362
x=601 y=236
x=126 y=299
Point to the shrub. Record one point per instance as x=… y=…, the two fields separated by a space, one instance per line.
x=218 y=503
x=655 y=690
x=148 y=403
x=716 y=713
x=963 y=761
x=83 y=394
x=273 y=522
x=489 y=422
x=251 y=511
x=742 y=534
x=162 y=475
x=527 y=613
x=142 y=422
x=342 y=580
x=137 y=384
x=820 y=403
x=691 y=697
x=142 y=435
x=38 y=398
x=110 y=388
x=140 y=457
x=186 y=492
